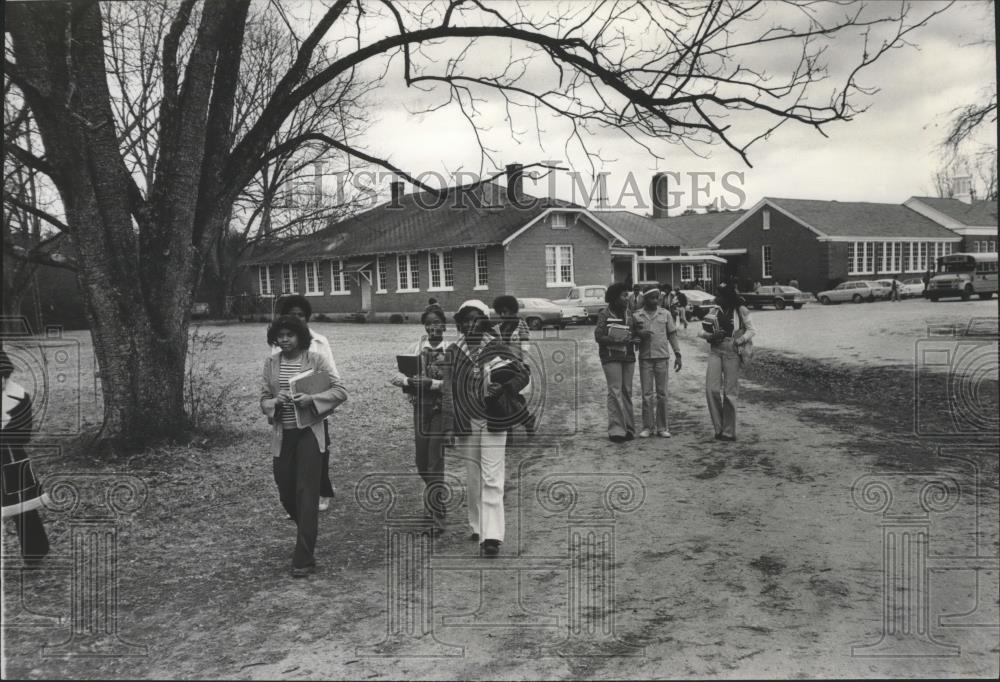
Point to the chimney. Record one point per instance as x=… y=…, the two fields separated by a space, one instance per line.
x=318 y=184
x=658 y=195
x=961 y=188
x=395 y=192
x=515 y=182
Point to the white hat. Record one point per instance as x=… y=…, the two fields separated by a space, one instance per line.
x=477 y=304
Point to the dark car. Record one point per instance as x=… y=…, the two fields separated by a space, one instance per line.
x=200 y=310
x=778 y=296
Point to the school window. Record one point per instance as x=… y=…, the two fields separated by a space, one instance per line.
x=338 y=278
x=558 y=265
x=407 y=273
x=312 y=278
x=869 y=257
x=765 y=261
x=442 y=273
x=699 y=272
x=993 y=247
x=266 y=279
x=287 y=278
x=766 y=218
x=559 y=221
x=686 y=273
x=482 y=269
x=382 y=275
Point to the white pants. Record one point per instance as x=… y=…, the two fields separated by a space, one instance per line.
x=483 y=452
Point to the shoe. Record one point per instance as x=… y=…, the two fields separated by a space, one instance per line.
x=644 y=433
x=727 y=438
x=490 y=548
x=303 y=571
x=616 y=439
x=629 y=435
x=324 y=503
x=474 y=536
x=665 y=434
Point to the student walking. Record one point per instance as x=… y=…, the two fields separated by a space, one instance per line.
x=657 y=333
x=616 y=351
x=514 y=332
x=428 y=429
x=22 y=493
x=298 y=306
x=297 y=462
x=480 y=401
x=730 y=329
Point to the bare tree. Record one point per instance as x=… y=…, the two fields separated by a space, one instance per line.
x=657 y=71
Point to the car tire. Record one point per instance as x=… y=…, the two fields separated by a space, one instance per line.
x=986 y=296
x=562 y=325
x=757 y=307
x=534 y=323
x=857 y=298
x=796 y=306
x=966 y=293
x=823 y=300
x=934 y=299
x=779 y=304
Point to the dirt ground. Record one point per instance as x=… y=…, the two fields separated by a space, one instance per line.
x=859 y=504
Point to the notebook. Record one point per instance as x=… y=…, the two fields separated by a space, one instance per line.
x=311 y=382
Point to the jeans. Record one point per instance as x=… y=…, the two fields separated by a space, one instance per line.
x=484 y=455
x=619 y=377
x=653 y=375
x=297 y=473
x=722 y=386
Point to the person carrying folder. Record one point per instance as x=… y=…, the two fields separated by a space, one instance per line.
x=424 y=387
x=296 y=449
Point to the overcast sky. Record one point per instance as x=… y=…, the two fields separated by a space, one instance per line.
x=886 y=154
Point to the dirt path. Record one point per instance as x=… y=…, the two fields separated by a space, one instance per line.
x=745 y=559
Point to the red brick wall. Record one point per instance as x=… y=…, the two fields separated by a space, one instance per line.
x=795 y=251
x=525 y=259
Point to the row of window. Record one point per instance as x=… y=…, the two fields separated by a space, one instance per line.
x=864 y=257
x=983 y=247
x=558 y=272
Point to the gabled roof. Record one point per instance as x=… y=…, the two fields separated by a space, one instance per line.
x=698 y=230
x=638 y=230
x=852 y=219
x=477 y=215
x=976 y=214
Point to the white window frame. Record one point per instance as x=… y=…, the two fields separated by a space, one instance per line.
x=411 y=272
x=264 y=276
x=559 y=221
x=380 y=272
x=338 y=279
x=441 y=264
x=482 y=270
x=288 y=279
x=687 y=273
x=316 y=290
x=558 y=262
x=766 y=262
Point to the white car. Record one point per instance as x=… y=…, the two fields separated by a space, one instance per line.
x=572 y=314
x=588 y=296
x=700 y=303
x=912 y=287
x=849 y=291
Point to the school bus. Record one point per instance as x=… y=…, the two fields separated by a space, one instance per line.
x=964 y=274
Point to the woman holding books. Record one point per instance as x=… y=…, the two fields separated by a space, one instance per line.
x=727 y=332
x=298 y=306
x=424 y=388
x=297 y=432
x=480 y=401
x=617 y=353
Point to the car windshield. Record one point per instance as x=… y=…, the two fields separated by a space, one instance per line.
x=573 y=293
x=537 y=303
x=789 y=290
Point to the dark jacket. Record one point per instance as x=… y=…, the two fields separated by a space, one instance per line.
x=463 y=395
x=607 y=349
x=21 y=490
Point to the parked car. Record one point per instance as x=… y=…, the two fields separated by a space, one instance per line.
x=539 y=313
x=589 y=296
x=700 y=303
x=573 y=314
x=912 y=287
x=882 y=289
x=778 y=296
x=847 y=291
x=200 y=310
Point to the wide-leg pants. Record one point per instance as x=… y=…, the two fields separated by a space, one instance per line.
x=428 y=437
x=653 y=376
x=297 y=473
x=484 y=455
x=619 y=377
x=722 y=386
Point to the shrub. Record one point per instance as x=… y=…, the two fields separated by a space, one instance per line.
x=396 y=318
x=206 y=397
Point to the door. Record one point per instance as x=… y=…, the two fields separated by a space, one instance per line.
x=366 y=291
